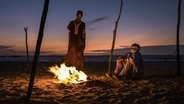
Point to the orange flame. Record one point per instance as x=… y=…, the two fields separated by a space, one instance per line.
x=66 y=74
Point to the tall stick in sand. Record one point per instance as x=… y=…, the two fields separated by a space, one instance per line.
x=27 y=51
x=37 y=51
x=177 y=41
x=114 y=37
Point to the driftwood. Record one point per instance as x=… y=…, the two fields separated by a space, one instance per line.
x=177 y=41
x=37 y=51
x=114 y=37
x=27 y=50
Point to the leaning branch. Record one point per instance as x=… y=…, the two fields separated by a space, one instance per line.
x=37 y=51
x=114 y=37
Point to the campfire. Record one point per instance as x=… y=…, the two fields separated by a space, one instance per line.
x=66 y=74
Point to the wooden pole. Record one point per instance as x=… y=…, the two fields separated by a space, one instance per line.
x=114 y=37
x=177 y=40
x=37 y=51
x=27 y=51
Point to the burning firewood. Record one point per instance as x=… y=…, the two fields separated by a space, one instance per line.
x=66 y=74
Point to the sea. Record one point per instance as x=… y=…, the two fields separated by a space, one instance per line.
x=98 y=58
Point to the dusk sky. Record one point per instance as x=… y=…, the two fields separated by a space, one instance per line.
x=147 y=22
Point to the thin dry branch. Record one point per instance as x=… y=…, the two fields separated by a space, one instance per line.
x=114 y=36
x=27 y=50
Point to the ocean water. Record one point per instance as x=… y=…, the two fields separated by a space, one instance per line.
x=103 y=58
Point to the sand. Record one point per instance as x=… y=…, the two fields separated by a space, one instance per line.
x=160 y=85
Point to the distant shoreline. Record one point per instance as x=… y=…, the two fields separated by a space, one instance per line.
x=89 y=58
x=150 y=68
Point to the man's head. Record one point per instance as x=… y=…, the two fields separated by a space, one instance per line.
x=135 y=48
x=79 y=14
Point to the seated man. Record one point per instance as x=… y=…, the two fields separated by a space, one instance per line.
x=130 y=66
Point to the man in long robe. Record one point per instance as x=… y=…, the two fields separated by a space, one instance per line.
x=76 y=44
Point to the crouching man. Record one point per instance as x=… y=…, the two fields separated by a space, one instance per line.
x=129 y=66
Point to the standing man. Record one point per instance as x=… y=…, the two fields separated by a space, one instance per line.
x=76 y=44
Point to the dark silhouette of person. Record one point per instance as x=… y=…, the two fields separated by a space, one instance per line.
x=76 y=44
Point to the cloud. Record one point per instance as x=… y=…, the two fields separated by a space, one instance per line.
x=99 y=50
x=10 y=50
x=146 y=50
x=99 y=19
x=124 y=46
x=5 y=47
x=46 y=52
x=41 y=52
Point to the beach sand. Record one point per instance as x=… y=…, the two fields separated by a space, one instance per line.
x=159 y=86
